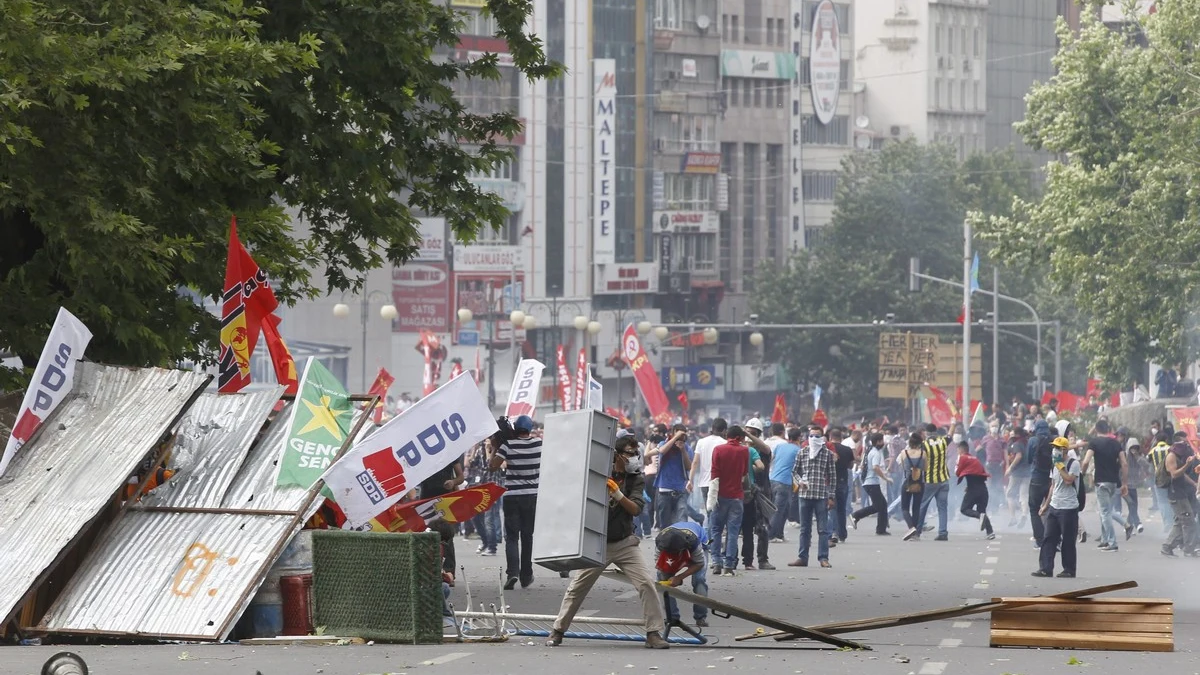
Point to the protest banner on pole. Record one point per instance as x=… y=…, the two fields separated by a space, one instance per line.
x=595 y=394
x=321 y=418
x=582 y=375
x=647 y=379
x=564 y=380
x=52 y=380
x=523 y=395
x=424 y=439
x=454 y=507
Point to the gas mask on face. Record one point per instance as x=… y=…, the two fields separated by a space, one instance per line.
x=1057 y=456
x=957 y=439
x=633 y=464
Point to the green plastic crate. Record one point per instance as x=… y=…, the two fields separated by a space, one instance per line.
x=378 y=586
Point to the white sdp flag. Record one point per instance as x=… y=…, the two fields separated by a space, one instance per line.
x=411 y=447
x=523 y=396
x=52 y=380
x=595 y=394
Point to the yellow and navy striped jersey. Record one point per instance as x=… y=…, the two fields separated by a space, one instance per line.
x=935 y=450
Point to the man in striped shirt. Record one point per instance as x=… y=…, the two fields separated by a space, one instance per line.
x=937 y=481
x=522 y=457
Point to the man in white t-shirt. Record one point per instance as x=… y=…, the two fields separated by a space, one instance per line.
x=701 y=474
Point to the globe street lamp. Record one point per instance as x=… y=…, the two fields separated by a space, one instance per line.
x=387 y=311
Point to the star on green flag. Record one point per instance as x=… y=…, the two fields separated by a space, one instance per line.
x=321 y=420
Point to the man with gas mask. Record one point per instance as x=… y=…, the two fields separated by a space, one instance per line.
x=625 y=502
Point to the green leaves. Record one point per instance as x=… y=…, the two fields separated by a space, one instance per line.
x=132 y=129
x=1117 y=223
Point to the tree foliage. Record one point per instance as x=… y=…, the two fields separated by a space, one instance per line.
x=130 y=130
x=1116 y=227
x=904 y=201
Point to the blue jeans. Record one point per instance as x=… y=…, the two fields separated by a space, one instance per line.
x=1164 y=508
x=1108 y=494
x=487 y=524
x=839 y=512
x=727 y=519
x=699 y=587
x=940 y=492
x=781 y=494
x=819 y=509
x=671 y=507
x=645 y=520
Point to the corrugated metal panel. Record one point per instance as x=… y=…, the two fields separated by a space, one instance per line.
x=169 y=575
x=66 y=476
x=211 y=446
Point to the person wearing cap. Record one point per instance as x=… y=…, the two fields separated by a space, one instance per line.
x=680 y=557
x=625 y=501
x=1061 y=510
x=521 y=456
x=752 y=524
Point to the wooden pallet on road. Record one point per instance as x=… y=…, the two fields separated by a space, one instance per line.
x=1111 y=624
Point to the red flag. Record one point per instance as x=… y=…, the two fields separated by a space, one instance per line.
x=941 y=412
x=820 y=419
x=281 y=356
x=647 y=379
x=564 y=380
x=246 y=301
x=454 y=507
x=383 y=382
x=620 y=416
x=683 y=401
x=779 y=414
x=456 y=369
x=581 y=377
x=429 y=374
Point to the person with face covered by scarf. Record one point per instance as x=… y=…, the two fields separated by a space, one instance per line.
x=814 y=479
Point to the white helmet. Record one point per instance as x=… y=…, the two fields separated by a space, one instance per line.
x=754 y=423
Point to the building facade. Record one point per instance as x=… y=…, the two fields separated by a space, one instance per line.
x=924 y=66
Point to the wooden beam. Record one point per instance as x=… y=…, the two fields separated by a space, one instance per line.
x=930 y=615
x=1072 y=640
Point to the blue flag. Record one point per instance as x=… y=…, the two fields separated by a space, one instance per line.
x=975 y=273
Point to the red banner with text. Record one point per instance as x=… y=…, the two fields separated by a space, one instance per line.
x=1185 y=420
x=645 y=376
x=565 y=396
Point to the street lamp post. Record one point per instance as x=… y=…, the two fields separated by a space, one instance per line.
x=387 y=312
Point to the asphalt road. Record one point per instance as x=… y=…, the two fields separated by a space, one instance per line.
x=871 y=576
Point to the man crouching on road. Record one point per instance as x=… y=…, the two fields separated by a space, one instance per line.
x=680 y=556
x=624 y=503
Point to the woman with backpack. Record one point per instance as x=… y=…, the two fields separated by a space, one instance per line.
x=912 y=466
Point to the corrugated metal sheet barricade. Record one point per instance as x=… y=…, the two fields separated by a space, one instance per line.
x=69 y=472
x=571 y=523
x=378 y=586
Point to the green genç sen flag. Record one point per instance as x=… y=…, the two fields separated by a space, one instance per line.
x=321 y=418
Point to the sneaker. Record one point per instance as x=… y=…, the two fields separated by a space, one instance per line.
x=701 y=623
x=779 y=540
x=1040 y=573
x=1169 y=552
x=1128 y=532
x=854 y=523
x=655 y=641
x=766 y=566
x=728 y=572
x=885 y=533
x=833 y=540
x=716 y=570
x=985 y=523
x=1192 y=553
x=488 y=552
x=749 y=567
x=511 y=583
x=798 y=562
x=941 y=537
x=912 y=534
x=554 y=639
x=1110 y=549
x=527 y=584
x=1065 y=575
x=991 y=536
x=1083 y=537
x=926 y=528
x=833 y=543
x=480 y=550
x=825 y=564
x=1140 y=529
x=1102 y=544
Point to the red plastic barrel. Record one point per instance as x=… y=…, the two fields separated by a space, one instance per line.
x=296 y=594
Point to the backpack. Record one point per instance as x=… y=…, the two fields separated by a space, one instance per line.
x=912 y=482
x=862 y=468
x=1162 y=477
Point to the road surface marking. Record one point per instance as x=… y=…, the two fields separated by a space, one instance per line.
x=991 y=561
x=983 y=586
x=950 y=642
x=974 y=601
x=627 y=595
x=962 y=624
x=932 y=668
x=987 y=572
x=447 y=658
x=588 y=612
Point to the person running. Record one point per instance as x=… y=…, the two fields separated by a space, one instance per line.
x=680 y=557
x=1061 y=508
x=522 y=458
x=730 y=464
x=814 y=479
x=912 y=463
x=624 y=503
x=1181 y=491
x=975 y=499
x=937 y=481
x=875 y=476
x=1112 y=477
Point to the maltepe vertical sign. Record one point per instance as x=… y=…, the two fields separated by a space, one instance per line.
x=604 y=160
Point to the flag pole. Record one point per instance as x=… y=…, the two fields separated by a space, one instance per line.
x=966 y=334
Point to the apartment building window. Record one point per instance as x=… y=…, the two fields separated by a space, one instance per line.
x=962 y=40
x=732 y=85
x=668 y=14
x=781 y=35
x=750 y=183
x=734 y=34
x=962 y=95
x=758 y=93
x=729 y=161
x=747 y=85
x=842 y=11
x=837 y=132
x=479 y=23
x=506 y=170
x=725 y=25
x=689 y=192
x=699 y=250
x=770 y=30
x=813 y=236
x=937 y=40
x=975 y=44
x=677 y=132
x=819 y=186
